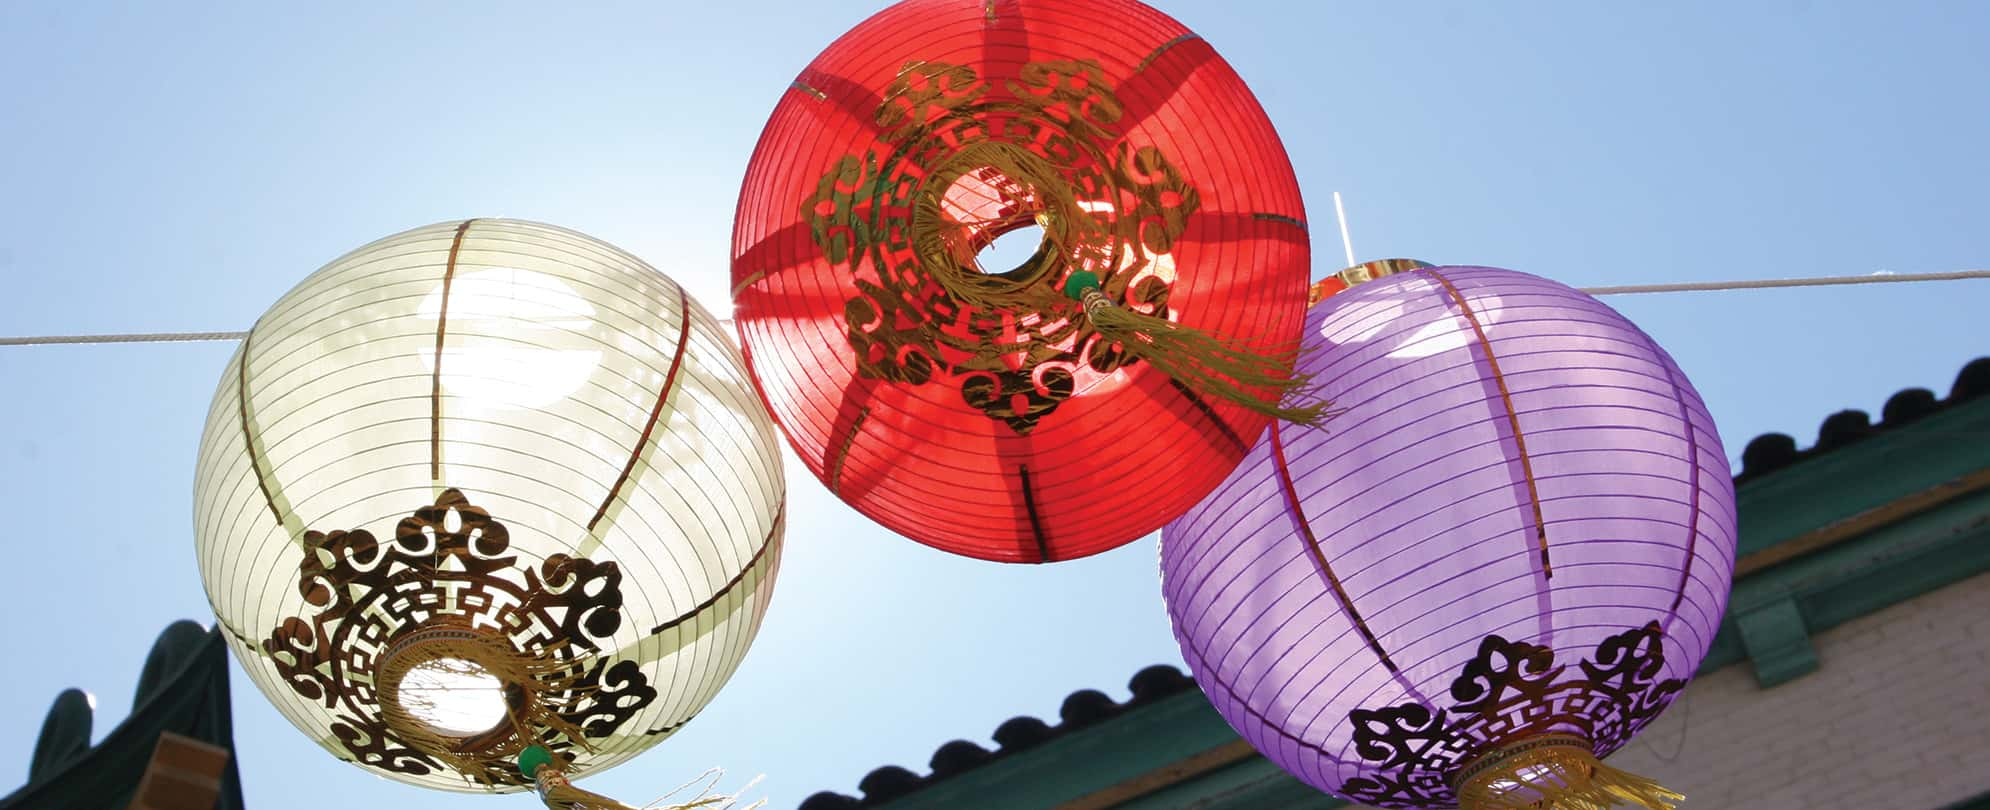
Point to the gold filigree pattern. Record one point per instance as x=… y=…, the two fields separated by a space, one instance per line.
x=1014 y=366
x=1509 y=691
x=447 y=570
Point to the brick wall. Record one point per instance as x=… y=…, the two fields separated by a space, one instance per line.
x=1897 y=717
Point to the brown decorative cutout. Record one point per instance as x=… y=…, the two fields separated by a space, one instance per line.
x=1509 y=691
x=448 y=567
x=1015 y=367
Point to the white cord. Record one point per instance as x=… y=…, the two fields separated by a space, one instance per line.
x=1631 y=289
x=1822 y=281
x=156 y=337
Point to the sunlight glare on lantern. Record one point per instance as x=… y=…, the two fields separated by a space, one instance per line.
x=1437 y=337
x=516 y=338
x=453 y=696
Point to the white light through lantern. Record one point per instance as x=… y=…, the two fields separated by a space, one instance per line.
x=520 y=338
x=1438 y=336
x=485 y=485
x=453 y=695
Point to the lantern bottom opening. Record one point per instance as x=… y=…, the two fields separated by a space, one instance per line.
x=503 y=702
x=1553 y=772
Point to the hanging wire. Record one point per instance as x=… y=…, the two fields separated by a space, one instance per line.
x=154 y=337
x=1763 y=284
x=1629 y=289
x=1685 y=704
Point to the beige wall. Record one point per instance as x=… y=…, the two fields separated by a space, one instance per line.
x=1897 y=717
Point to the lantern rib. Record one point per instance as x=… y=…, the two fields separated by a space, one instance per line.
x=1512 y=416
x=996 y=35
x=1036 y=521
x=258 y=465
x=773 y=537
x=1201 y=664
x=750 y=280
x=1202 y=405
x=656 y=413
x=1164 y=47
x=811 y=92
x=1320 y=560
x=843 y=449
x=1281 y=219
x=1693 y=490
x=774 y=253
x=1153 y=87
x=435 y=377
x=855 y=100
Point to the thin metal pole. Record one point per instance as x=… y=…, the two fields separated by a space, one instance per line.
x=1346 y=244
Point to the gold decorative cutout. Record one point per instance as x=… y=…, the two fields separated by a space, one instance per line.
x=446 y=578
x=1014 y=364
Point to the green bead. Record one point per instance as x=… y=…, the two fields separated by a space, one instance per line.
x=1078 y=282
x=532 y=758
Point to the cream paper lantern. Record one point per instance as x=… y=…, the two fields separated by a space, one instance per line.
x=482 y=486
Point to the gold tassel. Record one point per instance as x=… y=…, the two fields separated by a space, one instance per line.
x=549 y=779
x=1257 y=380
x=1555 y=772
x=560 y=794
x=937 y=238
x=1203 y=361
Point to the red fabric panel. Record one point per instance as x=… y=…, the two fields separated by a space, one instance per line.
x=899 y=423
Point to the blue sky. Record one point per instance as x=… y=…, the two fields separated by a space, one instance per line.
x=178 y=166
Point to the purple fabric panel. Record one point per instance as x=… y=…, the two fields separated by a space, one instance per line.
x=1417 y=498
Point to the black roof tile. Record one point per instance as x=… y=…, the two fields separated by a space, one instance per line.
x=957 y=756
x=888 y=782
x=1770 y=452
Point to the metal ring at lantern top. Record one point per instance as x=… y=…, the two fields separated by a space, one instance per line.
x=996 y=430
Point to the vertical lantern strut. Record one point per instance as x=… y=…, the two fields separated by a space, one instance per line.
x=249 y=433
x=1209 y=413
x=1179 y=39
x=1320 y=560
x=773 y=537
x=1692 y=490
x=662 y=399
x=1029 y=505
x=843 y=449
x=1512 y=417
x=252 y=443
x=435 y=377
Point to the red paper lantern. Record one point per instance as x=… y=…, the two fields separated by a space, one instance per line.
x=990 y=430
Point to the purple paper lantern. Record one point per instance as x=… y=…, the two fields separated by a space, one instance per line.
x=1502 y=559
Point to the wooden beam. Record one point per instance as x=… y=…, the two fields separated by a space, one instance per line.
x=1844 y=529
x=1872 y=474
x=185 y=774
x=1172 y=773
